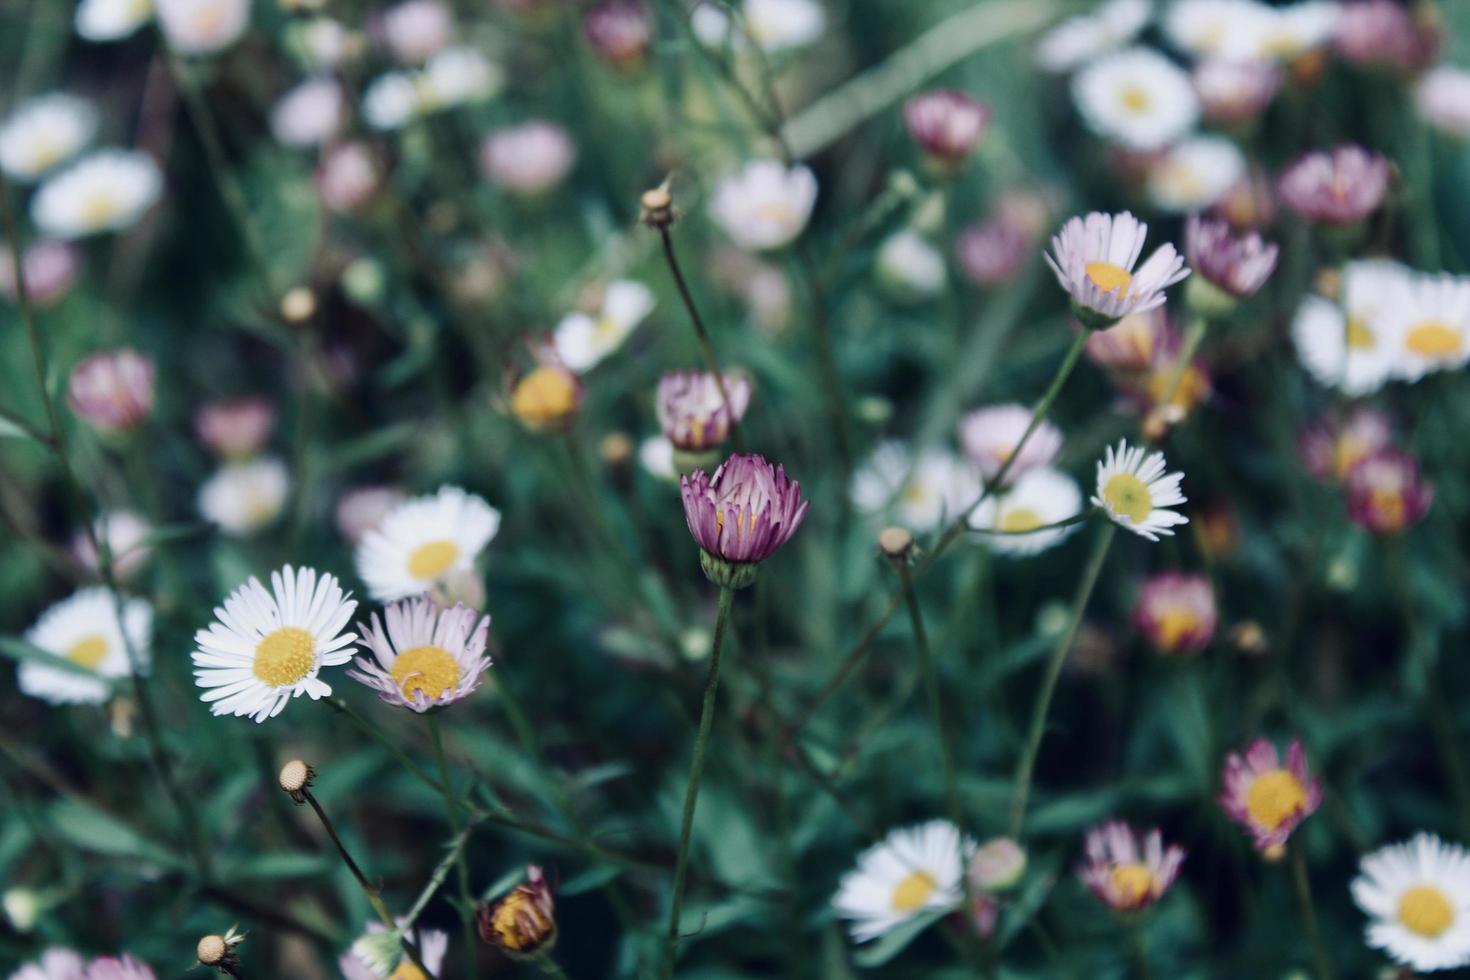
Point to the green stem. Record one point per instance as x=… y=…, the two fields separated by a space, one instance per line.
x=386 y=743
x=706 y=348
x=1309 y=912
x=456 y=824
x=931 y=687
x=696 y=769
x=549 y=966
x=1140 y=950
x=1026 y=768
x=1193 y=337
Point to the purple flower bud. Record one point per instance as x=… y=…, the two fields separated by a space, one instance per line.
x=744 y=512
x=1386 y=493
x=1239 y=266
x=113 y=390
x=237 y=429
x=992 y=253
x=1335 y=187
x=692 y=412
x=619 y=32
x=49 y=267
x=947 y=124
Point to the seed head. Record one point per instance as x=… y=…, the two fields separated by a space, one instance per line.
x=296 y=777
x=298 y=305
x=658 y=207
x=897 y=543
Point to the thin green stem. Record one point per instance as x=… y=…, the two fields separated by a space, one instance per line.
x=931 y=687
x=696 y=770
x=456 y=823
x=1140 y=950
x=1309 y=912
x=386 y=743
x=706 y=348
x=1193 y=337
x=1026 y=768
x=548 y=966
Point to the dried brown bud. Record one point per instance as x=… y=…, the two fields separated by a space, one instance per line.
x=658 y=207
x=522 y=923
x=897 y=543
x=295 y=779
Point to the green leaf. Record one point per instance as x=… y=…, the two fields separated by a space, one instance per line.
x=101 y=833
x=267 y=867
x=17 y=649
x=896 y=940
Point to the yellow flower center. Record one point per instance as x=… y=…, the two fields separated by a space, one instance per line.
x=99 y=208
x=518 y=923
x=46 y=151
x=88 y=651
x=208 y=19
x=1175 y=625
x=428 y=668
x=1433 y=338
x=1193 y=386
x=1019 y=520
x=1426 y=911
x=545 y=396
x=1110 y=278
x=430 y=560
x=1127 y=496
x=1281 y=44
x=776 y=213
x=607 y=330
x=1181 y=181
x=1135 y=98
x=1390 y=511
x=407 y=971
x=1274 y=798
x=1133 y=882
x=285 y=656
x=1360 y=336
x=913 y=891
x=1346 y=454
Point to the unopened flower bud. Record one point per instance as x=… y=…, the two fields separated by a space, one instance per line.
x=522 y=923
x=547 y=398
x=113 y=390
x=657 y=207
x=897 y=543
x=298 y=305
x=296 y=778
x=997 y=865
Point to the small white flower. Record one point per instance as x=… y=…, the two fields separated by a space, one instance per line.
x=1195 y=174
x=106 y=191
x=416 y=30
x=529 y=158
x=1094 y=257
x=765 y=205
x=1136 y=492
x=243 y=498
x=1295 y=30
x=426 y=658
x=85 y=630
x=582 y=341
x=125 y=532
x=910 y=265
x=990 y=436
x=1077 y=40
x=1443 y=98
x=1417 y=897
x=456 y=76
x=309 y=114
x=920 y=494
x=323 y=42
x=1349 y=346
x=911 y=871
x=1136 y=97
x=267 y=646
x=203 y=26
x=390 y=101
x=1228 y=29
x=373 y=955
x=656 y=453
x=423 y=540
x=1039 y=498
x=44 y=132
x=111 y=20
x=1428 y=325
x=774 y=25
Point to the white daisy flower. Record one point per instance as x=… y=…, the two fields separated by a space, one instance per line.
x=424 y=540
x=202 y=26
x=1040 y=497
x=990 y=436
x=1078 y=40
x=911 y=871
x=85 y=630
x=1195 y=173
x=1443 y=99
x=427 y=657
x=1295 y=30
x=1136 y=492
x=774 y=25
x=44 y=132
x=267 y=647
x=390 y=101
x=456 y=76
x=1094 y=258
x=910 y=266
x=106 y=191
x=1417 y=895
x=1348 y=346
x=1228 y=29
x=920 y=494
x=1137 y=98
x=243 y=498
x=416 y=30
x=582 y=341
x=310 y=114
x=656 y=454
x=111 y=20
x=374 y=954
x=765 y=205
x=126 y=533
x=1428 y=325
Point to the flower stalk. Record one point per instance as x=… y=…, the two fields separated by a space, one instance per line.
x=452 y=806
x=1309 y=912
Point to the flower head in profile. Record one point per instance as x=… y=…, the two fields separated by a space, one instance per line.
x=1417 y=897
x=1126 y=871
x=378 y=954
x=48 y=268
x=111 y=20
x=582 y=340
x=1335 y=187
x=267 y=646
x=1386 y=492
x=1135 y=492
x=692 y=412
x=426 y=657
x=1078 y=40
x=1019 y=516
x=422 y=541
x=741 y=515
x=1176 y=612
x=86 y=631
x=112 y=391
x=947 y=124
x=44 y=132
x=1266 y=797
x=202 y=26
x=243 y=498
x=1137 y=98
x=1237 y=265
x=547 y=398
x=1195 y=173
x=765 y=205
x=529 y=158
x=105 y=191
x=911 y=871
x=1094 y=259
x=523 y=923
x=992 y=435
x=1331 y=447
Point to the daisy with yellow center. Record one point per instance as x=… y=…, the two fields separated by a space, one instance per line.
x=108 y=190
x=1095 y=259
x=244 y=498
x=267 y=646
x=423 y=541
x=44 y=132
x=765 y=205
x=1134 y=491
x=1020 y=518
x=582 y=340
x=1347 y=346
x=1137 y=98
x=1176 y=612
x=1267 y=797
x=1417 y=897
x=911 y=871
x=378 y=955
x=202 y=26
x=1127 y=872
x=922 y=492
x=84 y=632
x=1429 y=325
x=425 y=657
x=111 y=20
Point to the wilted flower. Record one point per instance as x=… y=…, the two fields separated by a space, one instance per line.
x=49 y=269
x=947 y=124
x=86 y=630
x=1386 y=493
x=740 y=516
x=106 y=191
x=1136 y=493
x=202 y=26
x=1267 y=798
x=527 y=159
x=1417 y=895
x=1093 y=259
x=991 y=435
x=362 y=509
x=1331 y=447
x=111 y=20
x=426 y=658
x=1176 y=612
x=416 y=30
x=1137 y=98
x=582 y=340
x=993 y=252
x=124 y=531
x=1238 y=266
x=522 y=923
x=238 y=428
x=1128 y=873
x=997 y=865
x=423 y=540
x=619 y=31
x=765 y=205
x=310 y=114
x=909 y=266
x=919 y=492
x=1077 y=40
x=347 y=176
x=911 y=871
x=1335 y=187
x=245 y=497
x=1195 y=173
x=693 y=413
x=548 y=397
x=772 y=25
x=1443 y=99
x=112 y=391
x=1232 y=92
x=44 y=132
